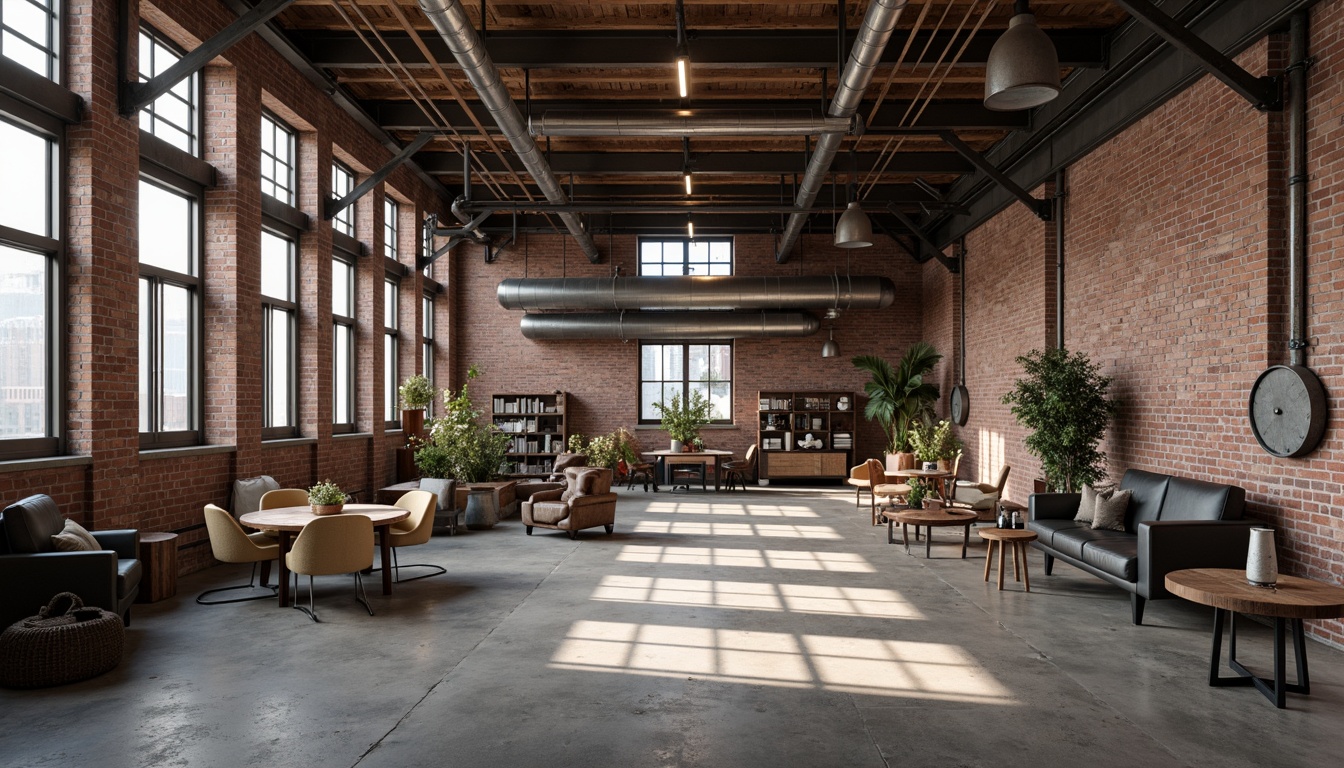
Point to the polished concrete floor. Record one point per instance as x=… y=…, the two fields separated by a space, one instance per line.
x=772 y=628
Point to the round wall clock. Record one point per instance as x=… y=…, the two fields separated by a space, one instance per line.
x=961 y=405
x=1288 y=410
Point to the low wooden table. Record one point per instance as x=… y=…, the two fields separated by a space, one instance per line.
x=1291 y=599
x=929 y=518
x=287 y=521
x=1019 y=538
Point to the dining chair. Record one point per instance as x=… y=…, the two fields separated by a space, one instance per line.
x=284 y=497
x=884 y=487
x=414 y=530
x=739 y=471
x=332 y=545
x=231 y=544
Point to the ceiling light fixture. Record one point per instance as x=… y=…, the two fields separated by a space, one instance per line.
x=853 y=230
x=690 y=227
x=830 y=348
x=1022 y=70
x=686 y=162
x=683 y=54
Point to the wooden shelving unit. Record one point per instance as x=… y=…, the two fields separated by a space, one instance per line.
x=536 y=423
x=786 y=417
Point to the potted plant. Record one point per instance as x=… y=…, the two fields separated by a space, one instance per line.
x=326 y=498
x=436 y=473
x=1062 y=399
x=459 y=444
x=682 y=420
x=899 y=398
x=415 y=393
x=923 y=444
x=915 y=498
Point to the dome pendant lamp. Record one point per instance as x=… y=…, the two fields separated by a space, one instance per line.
x=830 y=348
x=853 y=230
x=1023 y=68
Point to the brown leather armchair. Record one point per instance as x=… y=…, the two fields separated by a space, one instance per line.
x=586 y=501
x=32 y=570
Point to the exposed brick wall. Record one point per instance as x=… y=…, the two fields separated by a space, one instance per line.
x=122 y=488
x=1176 y=286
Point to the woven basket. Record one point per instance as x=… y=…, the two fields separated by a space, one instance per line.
x=63 y=643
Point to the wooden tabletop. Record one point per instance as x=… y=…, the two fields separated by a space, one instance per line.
x=935 y=473
x=930 y=516
x=1006 y=534
x=1226 y=588
x=706 y=452
x=293 y=519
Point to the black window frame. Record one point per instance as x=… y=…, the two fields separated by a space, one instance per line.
x=195 y=103
x=344 y=220
x=427 y=350
x=391 y=228
x=685 y=375
x=159 y=278
x=391 y=350
x=52 y=48
x=685 y=252
x=291 y=186
x=289 y=307
x=344 y=324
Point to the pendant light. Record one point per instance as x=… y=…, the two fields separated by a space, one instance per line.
x=683 y=54
x=853 y=230
x=830 y=348
x=686 y=162
x=690 y=228
x=1022 y=70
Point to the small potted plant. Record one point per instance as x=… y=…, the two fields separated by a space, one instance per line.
x=924 y=444
x=682 y=420
x=915 y=498
x=326 y=498
x=416 y=393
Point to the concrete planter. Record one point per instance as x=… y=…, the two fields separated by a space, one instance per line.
x=482 y=511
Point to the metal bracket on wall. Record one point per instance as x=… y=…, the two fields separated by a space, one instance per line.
x=1264 y=93
x=1044 y=209
x=135 y=96
x=334 y=207
x=953 y=265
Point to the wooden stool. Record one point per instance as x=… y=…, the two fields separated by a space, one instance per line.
x=1018 y=538
x=158 y=559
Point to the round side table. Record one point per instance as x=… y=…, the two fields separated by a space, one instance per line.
x=1019 y=538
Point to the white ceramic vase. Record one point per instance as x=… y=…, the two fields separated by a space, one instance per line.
x=1262 y=563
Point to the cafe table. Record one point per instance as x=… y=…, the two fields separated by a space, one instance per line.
x=707 y=456
x=287 y=521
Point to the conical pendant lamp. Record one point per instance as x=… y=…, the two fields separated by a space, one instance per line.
x=1022 y=70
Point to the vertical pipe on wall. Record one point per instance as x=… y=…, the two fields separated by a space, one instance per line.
x=1059 y=258
x=1297 y=187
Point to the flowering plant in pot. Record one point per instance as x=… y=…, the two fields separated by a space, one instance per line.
x=326 y=498
x=415 y=393
x=460 y=446
x=682 y=420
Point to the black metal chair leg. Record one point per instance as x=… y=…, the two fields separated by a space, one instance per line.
x=251 y=584
x=438 y=569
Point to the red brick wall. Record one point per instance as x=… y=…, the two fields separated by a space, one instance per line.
x=121 y=487
x=1176 y=286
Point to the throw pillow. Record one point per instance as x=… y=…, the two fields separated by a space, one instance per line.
x=1088 y=506
x=1111 y=511
x=73 y=538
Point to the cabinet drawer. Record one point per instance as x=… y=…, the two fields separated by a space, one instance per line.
x=834 y=464
x=792 y=464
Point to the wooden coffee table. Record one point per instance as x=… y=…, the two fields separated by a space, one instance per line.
x=1019 y=539
x=1291 y=599
x=929 y=518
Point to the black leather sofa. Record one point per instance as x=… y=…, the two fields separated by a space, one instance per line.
x=32 y=571
x=1173 y=523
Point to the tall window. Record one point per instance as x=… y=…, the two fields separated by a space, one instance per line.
x=175 y=116
x=427 y=337
x=279 y=344
x=277 y=159
x=170 y=311
x=390 y=232
x=391 y=288
x=30 y=35
x=342 y=184
x=680 y=369
x=683 y=256
x=343 y=345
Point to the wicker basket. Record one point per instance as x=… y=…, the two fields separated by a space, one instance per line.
x=63 y=643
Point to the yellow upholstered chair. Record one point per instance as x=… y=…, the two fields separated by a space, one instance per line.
x=414 y=530
x=231 y=544
x=332 y=545
x=858 y=477
x=284 y=497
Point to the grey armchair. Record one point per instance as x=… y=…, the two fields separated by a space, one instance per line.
x=32 y=570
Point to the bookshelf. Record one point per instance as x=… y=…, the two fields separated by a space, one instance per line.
x=536 y=425
x=785 y=417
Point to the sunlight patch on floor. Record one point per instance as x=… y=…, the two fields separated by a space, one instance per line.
x=838 y=562
x=773 y=530
x=758 y=596
x=731 y=509
x=931 y=671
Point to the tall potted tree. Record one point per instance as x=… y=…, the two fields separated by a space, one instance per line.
x=898 y=397
x=1062 y=399
x=682 y=420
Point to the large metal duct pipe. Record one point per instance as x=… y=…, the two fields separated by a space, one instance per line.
x=878 y=24
x=678 y=123
x=777 y=293
x=453 y=25
x=669 y=325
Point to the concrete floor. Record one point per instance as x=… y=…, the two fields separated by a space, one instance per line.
x=773 y=628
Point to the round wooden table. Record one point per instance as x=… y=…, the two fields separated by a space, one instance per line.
x=1019 y=538
x=938 y=476
x=930 y=519
x=1292 y=599
x=287 y=521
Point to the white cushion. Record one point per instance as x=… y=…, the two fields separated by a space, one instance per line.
x=975 y=498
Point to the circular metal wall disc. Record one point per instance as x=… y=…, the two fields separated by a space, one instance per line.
x=1288 y=410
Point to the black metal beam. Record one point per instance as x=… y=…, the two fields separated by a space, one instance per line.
x=643 y=223
x=1264 y=93
x=136 y=96
x=723 y=192
x=1043 y=209
x=810 y=49
x=647 y=163
x=1096 y=105
x=25 y=85
x=938 y=116
x=334 y=207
